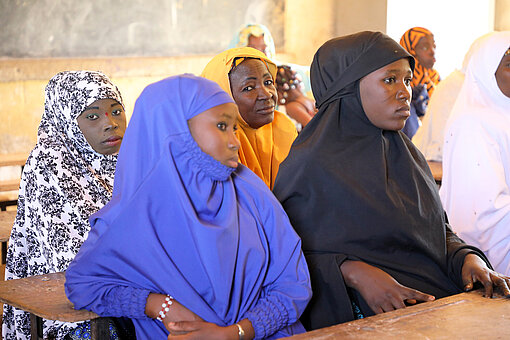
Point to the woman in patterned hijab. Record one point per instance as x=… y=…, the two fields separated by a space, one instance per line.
x=68 y=176
x=419 y=42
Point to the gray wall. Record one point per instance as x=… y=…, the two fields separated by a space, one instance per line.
x=107 y=28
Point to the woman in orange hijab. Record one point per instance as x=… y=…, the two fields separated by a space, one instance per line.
x=266 y=135
x=419 y=42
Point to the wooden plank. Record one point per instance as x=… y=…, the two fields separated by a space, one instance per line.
x=13 y=159
x=461 y=316
x=44 y=296
x=9 y=185
x=6 y=222
x=437 y=170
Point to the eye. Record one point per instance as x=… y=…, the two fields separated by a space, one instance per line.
x=222 y=126
x=235 y=127
x=407 y=81
x=117 y=112
x=269 y=82
x=389 y=80
x=248 y=88
x=92 y=116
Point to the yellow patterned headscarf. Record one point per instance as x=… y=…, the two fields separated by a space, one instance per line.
x=263 y=149
x=421 y=75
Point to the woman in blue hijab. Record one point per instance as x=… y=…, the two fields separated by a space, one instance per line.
x=189 y=232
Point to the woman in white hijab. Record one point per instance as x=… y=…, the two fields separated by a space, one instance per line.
x=476 y=161
x=430 y=136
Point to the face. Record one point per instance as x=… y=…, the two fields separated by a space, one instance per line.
x=257 y=43
x=426 y=51
x=103 y=124
x=254 y=92
x=214 y=132
x=503 y=75
x=386 y=95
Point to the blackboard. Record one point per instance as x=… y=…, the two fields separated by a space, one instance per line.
x=109 y=28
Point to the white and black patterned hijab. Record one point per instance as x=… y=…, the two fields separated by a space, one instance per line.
x=64 y=181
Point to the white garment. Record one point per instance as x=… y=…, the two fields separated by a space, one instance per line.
x=475 y=189
x=429 y=137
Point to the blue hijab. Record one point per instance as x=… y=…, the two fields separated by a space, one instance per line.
x=183 y=224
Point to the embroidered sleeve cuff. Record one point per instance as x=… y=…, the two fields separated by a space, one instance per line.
x=268 y=317
x=128 y=302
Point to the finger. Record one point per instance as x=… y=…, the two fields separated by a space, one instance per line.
x=485 y=279
x=411 y=301
x=377 y=309
x=467 y=280
x=183 y=326
x=501 y=284
x=414 y=294
x=387 y=306
x=398 y=302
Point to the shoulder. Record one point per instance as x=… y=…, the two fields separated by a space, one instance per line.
x=283 y=123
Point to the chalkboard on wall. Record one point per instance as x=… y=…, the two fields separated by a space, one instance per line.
x=109 y=28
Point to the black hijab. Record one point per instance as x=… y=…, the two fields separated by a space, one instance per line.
x=355 y=191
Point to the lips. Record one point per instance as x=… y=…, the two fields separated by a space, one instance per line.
x=404 y=110
x=112 y=140
x=266 y=110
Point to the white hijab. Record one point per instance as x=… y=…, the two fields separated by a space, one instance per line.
x=476 y=161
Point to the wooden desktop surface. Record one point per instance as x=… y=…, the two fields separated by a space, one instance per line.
x=44 y=296
x=462 y=316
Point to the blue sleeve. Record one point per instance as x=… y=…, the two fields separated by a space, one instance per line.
x=287 y=288
x=109 y=300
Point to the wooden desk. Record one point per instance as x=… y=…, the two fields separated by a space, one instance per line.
x=13 y=159
x=437 y=170
x=6 y=222
x=43 y=296
x=8 y=199
x=462 y=316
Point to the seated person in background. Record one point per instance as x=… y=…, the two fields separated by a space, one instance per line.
x=362 y=197
x=476 y=163
x=265 y=133
x=200 y=236
x=292 y=82
x=430 y=136
x=419 y=42
x=67 y=177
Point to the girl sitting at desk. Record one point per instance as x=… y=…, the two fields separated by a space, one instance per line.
x=190 y=237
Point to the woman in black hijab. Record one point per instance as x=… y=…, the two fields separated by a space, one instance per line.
x=362 y=197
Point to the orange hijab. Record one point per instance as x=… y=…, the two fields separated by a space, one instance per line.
x=421 y=75
x=263 y=149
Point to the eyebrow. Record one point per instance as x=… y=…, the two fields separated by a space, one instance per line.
x=398 y=70
x=97 y=107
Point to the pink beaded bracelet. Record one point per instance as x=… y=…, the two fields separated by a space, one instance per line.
x=165 y=307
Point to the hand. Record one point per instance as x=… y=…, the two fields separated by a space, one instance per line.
x=381 y=291
x=177 y=312
x=475 y=269
x=200 y=330
x=308 y=104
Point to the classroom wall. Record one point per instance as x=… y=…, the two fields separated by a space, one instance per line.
x=502 y=15
x=299 y=26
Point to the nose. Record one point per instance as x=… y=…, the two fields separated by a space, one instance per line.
x=404 y=92
x=264 y=93
x=233 y=142
x=110 y=122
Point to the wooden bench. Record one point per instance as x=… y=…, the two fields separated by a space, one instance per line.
x=43 y=296
x=437 y=170
x=6 y=222
x=461 y=316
